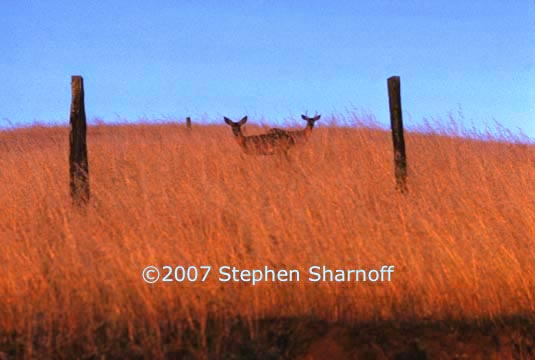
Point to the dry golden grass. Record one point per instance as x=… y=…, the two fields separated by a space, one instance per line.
x=461 y=241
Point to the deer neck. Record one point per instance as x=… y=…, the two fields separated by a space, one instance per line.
x=240 y=139
x=308 y=130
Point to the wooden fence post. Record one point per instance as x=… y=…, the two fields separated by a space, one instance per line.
x=396 y=122
x=78 y=165
x=188 y=122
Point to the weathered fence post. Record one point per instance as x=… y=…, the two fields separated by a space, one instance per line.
x=188 y=122
x=78 y=165
x=396 y=122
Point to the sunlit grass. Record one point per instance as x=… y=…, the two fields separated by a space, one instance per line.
x=461 y=240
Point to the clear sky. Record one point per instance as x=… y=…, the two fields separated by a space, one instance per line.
x=270 y=59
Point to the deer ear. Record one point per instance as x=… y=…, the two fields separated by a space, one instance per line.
x=227 y=120
x=304 y=117
x=243 y=120
x=317 y=117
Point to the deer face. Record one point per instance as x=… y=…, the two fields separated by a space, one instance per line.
x=310 y=120
x=236 y=126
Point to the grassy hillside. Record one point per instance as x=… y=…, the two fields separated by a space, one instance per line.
x=461 y=241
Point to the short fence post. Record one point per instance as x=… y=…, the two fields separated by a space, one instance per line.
x=188 y=122
x=396 y=122
x=78 y=164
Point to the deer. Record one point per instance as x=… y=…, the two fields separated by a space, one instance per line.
x=300 y=137
x=264 y=144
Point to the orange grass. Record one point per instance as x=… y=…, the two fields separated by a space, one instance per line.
x=461 y=241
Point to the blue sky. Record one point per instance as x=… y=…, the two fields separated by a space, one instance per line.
x=270 y=59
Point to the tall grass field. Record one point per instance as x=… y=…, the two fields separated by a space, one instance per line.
x=460 y=243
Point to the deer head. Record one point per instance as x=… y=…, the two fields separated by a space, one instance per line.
x=310 y=120
x=236 y=126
